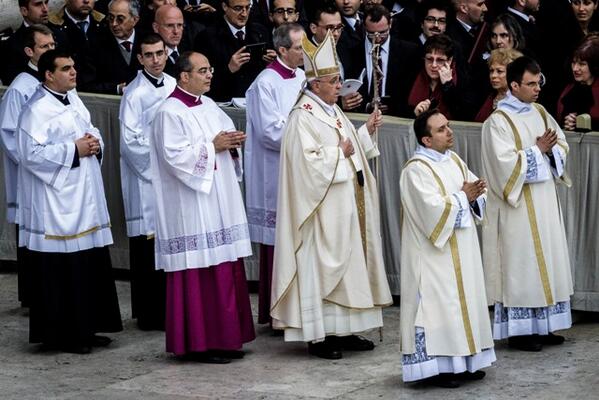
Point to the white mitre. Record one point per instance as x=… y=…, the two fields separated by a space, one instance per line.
x=322 y=60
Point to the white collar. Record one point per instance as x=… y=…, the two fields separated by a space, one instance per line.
x=519 y=13
x=63 y=95
x=130 y=39
x=422 y=38
x=397 y=8
x=513 y=104
x=158 y=78
x=75 y=20
x=329 y=109
x=431 y=154
x=352 y=20
x=465 y=25
x=170 y=50
x=234 y=30
x=32 y=66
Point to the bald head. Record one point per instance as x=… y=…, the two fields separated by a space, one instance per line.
x=168 y=23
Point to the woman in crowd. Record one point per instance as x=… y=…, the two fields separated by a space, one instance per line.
x=506 y=33
x=582 y=96
x=437 y=83
x=498 y=62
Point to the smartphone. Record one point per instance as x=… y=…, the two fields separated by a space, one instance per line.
x=256 y=50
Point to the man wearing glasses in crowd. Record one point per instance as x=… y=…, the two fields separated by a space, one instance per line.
x=327 y=18
x=433 y=14
x=225 y=44
x=397 y=64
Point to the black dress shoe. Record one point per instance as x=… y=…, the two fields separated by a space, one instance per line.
x=354 y=343
x=447 y=381
x=551 y=339
x=524 y=343
x=207 y=357
x=232 y=354
x=100 y=341
x=471 y=376
x=76 y=348
x=325 y=350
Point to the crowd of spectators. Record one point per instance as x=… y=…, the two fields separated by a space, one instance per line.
x=448 y=53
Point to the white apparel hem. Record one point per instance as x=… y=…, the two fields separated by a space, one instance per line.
x=38 y=242
x=420 y=365
x=518 y=321
x=336 y=320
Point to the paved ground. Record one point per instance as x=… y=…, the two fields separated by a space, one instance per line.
x=135 y=366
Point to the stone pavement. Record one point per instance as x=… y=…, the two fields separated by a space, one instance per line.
x=135 y=366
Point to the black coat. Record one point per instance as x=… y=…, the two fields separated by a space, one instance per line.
x=348 y=50
x=218 y=44
x=404 y=64
x=111 y=67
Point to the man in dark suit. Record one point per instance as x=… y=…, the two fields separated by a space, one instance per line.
x=464 y=29
x=404 y=24
x=178 y=35
x=33 y=12
x=115 y=61
x=398 y=64
x=351 y=38
x=81 y=25
x=224 y=44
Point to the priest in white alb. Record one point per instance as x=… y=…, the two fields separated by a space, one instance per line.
x=329 y=280
x=139 y=104
x=444 y=320
x=269 y=101
x=63 y=216
x=525 y=253
x=38 y=40
x=201 y=227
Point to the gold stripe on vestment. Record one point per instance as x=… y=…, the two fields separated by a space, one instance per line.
x=457 y=264
x=75 y=236
x=532 y=218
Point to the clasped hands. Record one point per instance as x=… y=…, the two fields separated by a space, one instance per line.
x=228 y=140
x=474 y=189
x=88 y=145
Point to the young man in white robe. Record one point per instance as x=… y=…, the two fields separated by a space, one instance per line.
x=38 y=40
x=269 y=101
x=138 y=106
x=63 y=216
x=201 y=227
x=525 y=253
x=329 y=280
x=445 y=328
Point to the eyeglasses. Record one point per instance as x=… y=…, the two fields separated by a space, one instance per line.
x=119 y=19
x=283 y=11
x=435 y=21
x=205 y=70
x=534 y=84
x=374 y=35
x=172 y=27
x=433 y=60
x=333 y=28
x=150 y=55
x=240 y=9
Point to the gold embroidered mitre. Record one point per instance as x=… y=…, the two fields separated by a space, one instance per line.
x=322 y=60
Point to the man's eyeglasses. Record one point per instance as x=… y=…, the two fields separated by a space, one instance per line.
x=435 y=21
x=240 y=9
x=333 y=28
x=283 y=11
x=535 y=84
x=374 y=35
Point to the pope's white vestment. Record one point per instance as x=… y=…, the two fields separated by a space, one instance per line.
x=328 y=274
x=444 y=324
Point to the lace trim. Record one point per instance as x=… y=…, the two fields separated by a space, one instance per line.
x=204 y=241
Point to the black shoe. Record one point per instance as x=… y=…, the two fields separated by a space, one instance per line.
x=524 y=343
x=325 y=350
x=447 y=381
x=551 y=339
x=471 y=376
x=278 y=332
x=207 y=357
x=354 y=343
x=100 y=341
x=232 y=354
x=76 y=349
